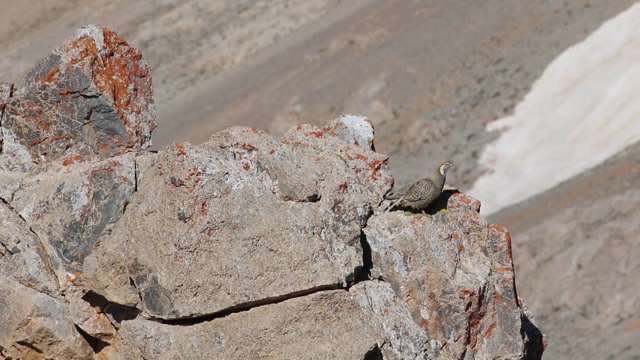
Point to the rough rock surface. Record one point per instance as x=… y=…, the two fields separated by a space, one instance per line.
x=322 y=325
x=455 y=273
x=242 y=247
x=241 y=219
x=90 y=96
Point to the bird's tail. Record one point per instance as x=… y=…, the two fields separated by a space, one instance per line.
x=392 y=204
x=392 y=195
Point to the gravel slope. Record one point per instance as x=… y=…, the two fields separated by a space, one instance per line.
x=576 y=250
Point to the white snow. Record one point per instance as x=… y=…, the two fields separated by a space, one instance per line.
x=584 y=109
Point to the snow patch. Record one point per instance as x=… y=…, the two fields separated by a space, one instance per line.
x=584 y=109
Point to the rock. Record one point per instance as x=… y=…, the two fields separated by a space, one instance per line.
x=354 y=129
x=455 y=273
x=22 y=256
x=14 y=159
x=241 y=247
x=90 y=319
x=6 y=89
x=323 y=325
x=403 y=338
x=210 y=221
x=34 y=320
x=91 y=97
x=34 y=325
x=70 y=207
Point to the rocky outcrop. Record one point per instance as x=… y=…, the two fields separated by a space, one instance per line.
x=242 y=247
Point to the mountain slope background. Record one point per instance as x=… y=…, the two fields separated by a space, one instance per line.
x=430 y=75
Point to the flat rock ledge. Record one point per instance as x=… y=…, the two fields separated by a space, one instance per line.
x=239 y=248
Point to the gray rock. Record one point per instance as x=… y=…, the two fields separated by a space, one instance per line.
x=403 y=338
x=23 y=257
x=14 y=158
x=210 y=222
x=323 y=325
x=70 y=207
x=354 y=129
x=455 y=273
x=34 y=325
x=90 y=319
x=91 y=97
x=35 y=321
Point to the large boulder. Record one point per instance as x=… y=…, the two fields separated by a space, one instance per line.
x=91 y=97
x=240 y=219
x=455 y=273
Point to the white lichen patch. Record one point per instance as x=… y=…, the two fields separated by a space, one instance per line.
x=78 y=199
x=11 y=147
x=93 y=32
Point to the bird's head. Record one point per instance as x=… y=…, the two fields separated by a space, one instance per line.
x=445 y=167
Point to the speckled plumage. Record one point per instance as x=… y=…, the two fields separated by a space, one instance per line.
x=421 y=193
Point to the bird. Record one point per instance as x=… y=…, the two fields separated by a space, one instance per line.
x=420 y=194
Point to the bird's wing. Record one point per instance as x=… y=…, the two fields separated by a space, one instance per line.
x=397 y=194
x=417 y=190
